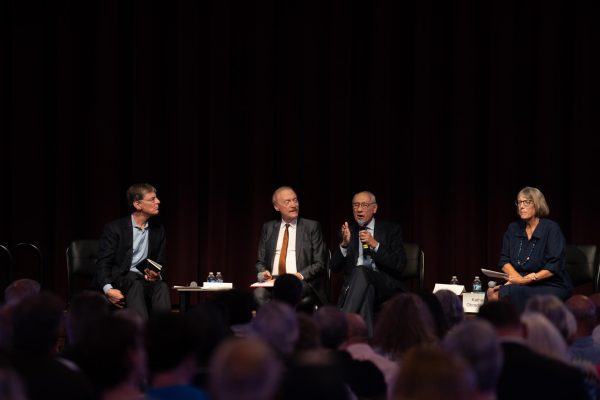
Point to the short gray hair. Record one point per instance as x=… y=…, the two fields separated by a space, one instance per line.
x=539 y=201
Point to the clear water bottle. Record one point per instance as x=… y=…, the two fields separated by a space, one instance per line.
x=219 y=278
x=477 y=285
x=454 y=280
x=211 y=277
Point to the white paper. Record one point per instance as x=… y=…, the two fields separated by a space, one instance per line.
x=456 y=289
x=494 y=274
x=217 y=285
x=472 y=301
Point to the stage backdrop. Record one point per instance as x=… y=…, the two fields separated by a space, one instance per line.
x=444 y=111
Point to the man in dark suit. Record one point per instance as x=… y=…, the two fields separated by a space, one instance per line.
x=292 y=245
x=125 y=246
x=372 y=258
x=525 y=373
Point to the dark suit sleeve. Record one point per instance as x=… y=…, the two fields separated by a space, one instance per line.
x=262 y=264
x=107 y=254
x=159 y=254
x=318 y=254
x=391 y=256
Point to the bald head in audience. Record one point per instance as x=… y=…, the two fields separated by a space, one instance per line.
x=584 y=311
x=357 y=329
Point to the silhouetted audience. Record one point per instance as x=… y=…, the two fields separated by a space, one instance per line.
x=362 y=376
x=434 y=305
x=452 y=307
x=357 y=345
x=476 y=343
x=36 y=325
x=244 y=369
x=287 y=289
x=86 y=309
x=525 y=373
x=428 y=374
x=171 y=343
x=308 y=333
x=404 y=322
x=276 y=323
x=315 y=375
x=583 y=346
x=116 y=359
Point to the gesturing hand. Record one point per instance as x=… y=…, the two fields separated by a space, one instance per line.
x=345 y=235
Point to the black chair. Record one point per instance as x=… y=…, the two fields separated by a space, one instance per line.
x=582 y=264
x=415 y=265
x=81 y=265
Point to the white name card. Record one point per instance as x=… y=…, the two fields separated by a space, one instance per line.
x=472 y=301
x=456 y=289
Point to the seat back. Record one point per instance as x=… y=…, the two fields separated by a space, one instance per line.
x=81 y=265
x=415 y=265
x=582 y=264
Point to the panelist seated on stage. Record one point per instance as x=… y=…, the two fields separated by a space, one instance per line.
x=533 y=254
x=292 y=245
x=371 y=255
x=126 y=244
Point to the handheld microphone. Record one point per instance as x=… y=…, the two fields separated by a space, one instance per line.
x=492 y=284
x=362 y=227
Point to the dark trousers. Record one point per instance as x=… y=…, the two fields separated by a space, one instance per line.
x=364 y=291
x=140 y=292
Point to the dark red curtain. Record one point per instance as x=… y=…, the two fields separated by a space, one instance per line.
x=443 y=109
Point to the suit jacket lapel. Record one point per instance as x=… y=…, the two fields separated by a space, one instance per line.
x=272 y=245
x=128 y=235
x=299 y=242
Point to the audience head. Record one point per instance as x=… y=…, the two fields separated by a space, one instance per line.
x=451 y=306
x=503 y=316
x=357 y=329
x=309 y=336
x=210 y=327
x=20 y=290
x=437 y=313
x=116 y=353
x=556 y=312
x=332 y=325
x=431 y=374
x=584 y=311
x=288 y=289
x=476 y=343
x=404 y=322
x=277 y=324
x=171 y=344
x=86 y=309
x=37 y=322
x=236 y=307
x=314 y=375
x=543 y=337
x=244 y=369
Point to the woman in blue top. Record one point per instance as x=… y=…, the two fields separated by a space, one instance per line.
x=533 y=253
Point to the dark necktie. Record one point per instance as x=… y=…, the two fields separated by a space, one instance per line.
x=283 y=252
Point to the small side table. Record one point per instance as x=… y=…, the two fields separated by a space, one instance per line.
x=184 y=294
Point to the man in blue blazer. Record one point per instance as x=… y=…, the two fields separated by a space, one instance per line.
x=125 y=246
x=371 y=255
x=292 y=245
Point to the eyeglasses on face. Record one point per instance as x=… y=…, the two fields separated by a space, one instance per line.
x=357 y=206
x=526 y=203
